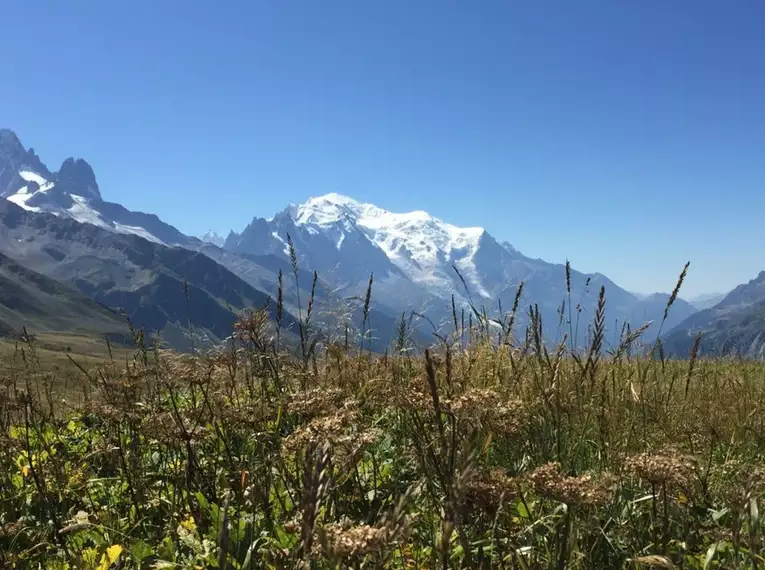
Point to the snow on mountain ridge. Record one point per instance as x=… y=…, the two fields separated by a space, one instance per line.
x=33 y=177
x=212 y=237
x=35 y=183
x=422 y=246
x=71 y=192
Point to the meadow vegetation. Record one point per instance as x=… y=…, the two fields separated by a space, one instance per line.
x=488 y=450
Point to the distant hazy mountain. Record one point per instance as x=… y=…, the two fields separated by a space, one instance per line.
x=734 y=327
x=419 y=262
x=706 y=300
x=31 y=300
x=213 y=238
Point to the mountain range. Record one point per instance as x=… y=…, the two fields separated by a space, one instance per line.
x=735 y=326
x=421 y=262
x=73 y=192
x=57 y=224
x=707 y=301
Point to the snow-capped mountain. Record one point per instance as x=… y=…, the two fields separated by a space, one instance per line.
x=72 y=192
x=419 y=262
x=422 y=247
x=334 y=233
x=213 y=238
x=414 y=256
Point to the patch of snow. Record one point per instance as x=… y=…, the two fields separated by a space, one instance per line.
x=33 y=177
x=83 y=213
x=286 y=246
x=20 y=199
x=81 y=210
x=136 y=230
x=23 y=194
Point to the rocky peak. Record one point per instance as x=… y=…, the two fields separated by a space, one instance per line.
x=212 y=237
x=77 y=177
x=14 y=158
x=10 y=145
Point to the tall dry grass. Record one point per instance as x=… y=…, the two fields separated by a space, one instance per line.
x=481 y=452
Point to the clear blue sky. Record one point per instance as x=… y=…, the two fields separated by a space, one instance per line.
x=627 y=136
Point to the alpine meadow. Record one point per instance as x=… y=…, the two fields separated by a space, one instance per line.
x=400 y=285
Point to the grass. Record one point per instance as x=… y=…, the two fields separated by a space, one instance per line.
x=52 y=350
x=482 y=452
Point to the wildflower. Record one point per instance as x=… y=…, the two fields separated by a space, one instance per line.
x=315 y=402
x=503 y=416
x=548 y=481
x=355 y=540
x=485 y=491
x=189 y=524
x=330 y=428
x=661 y=469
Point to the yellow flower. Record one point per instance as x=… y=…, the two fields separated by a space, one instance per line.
x=111 y=556
x=189 y=524
x=113 y=552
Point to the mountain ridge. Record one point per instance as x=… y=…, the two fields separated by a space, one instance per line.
x=418 y=262
x=429 y=261
x=35 y=302
x=735 y=326
x=73 y=192
x=163 y=289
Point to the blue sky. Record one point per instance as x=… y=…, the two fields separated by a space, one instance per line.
x=627 y=136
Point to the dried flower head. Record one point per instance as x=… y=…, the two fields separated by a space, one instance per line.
x=548 y=481
x=415 y=396
x=343 y=541
x=11 y=529
x=661 y=469
x=485 y=491
x=316 y=402
x=503 y=416
x=330 y=428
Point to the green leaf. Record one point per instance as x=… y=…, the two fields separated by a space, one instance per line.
x=711 y=551
x=140 y=551
x=248 y=558
x=717 y=515
x=754 y=513
x=279 y=413
x=167 y=548
x=202 y=500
